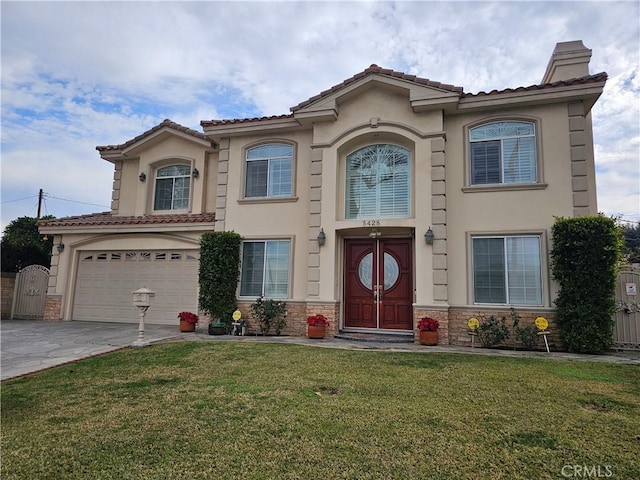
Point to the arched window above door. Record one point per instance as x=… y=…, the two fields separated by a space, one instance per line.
x=378 y=180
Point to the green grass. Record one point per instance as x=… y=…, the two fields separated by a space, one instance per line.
x=258 y=411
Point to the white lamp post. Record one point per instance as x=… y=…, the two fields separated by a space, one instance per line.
x=142 y=300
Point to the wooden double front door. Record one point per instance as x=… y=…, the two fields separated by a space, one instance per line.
x=378 y=284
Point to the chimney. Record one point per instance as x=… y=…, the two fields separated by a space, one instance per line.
x=569 y=60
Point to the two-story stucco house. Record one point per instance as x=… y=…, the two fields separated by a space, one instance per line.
x=383 y=199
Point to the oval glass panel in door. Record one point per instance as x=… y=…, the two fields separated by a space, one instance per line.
x=391 y=271
x=365 y=270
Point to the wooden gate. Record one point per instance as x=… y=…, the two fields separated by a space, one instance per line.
x=626 y=332
x=30 y=293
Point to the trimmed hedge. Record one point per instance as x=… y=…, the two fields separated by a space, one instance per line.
x=584 y=260
x=219 y=274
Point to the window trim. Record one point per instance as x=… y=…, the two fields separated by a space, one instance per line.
x=265 y=239
x=544 y=266
x=539 y=184
x=292 y=197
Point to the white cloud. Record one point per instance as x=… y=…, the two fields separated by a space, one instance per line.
x=80 y=74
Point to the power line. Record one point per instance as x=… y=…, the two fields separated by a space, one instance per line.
x=75 y=201
x=18 y=199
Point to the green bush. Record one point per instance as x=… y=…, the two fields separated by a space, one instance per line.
x=219 y=274
x=584 y=260
x=492 y=332
x=527 y=335
x=269 y=313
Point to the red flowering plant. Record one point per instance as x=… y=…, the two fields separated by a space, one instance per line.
x=318 y=320
x=428 y=324
x=188 y=317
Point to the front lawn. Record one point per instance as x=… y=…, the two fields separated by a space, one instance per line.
x=225 y=410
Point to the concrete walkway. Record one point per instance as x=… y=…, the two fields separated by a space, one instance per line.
x=30 y=346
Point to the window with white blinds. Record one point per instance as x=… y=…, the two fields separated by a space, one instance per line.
x=507 y=270
x=269 y=171
x=503 y=152
x=265 y=268
x=378 y=181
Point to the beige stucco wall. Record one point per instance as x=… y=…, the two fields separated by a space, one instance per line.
x=136 y=197
x=274 y=218
x=504 y=211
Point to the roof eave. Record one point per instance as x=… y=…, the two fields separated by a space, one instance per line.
x=235 y=129
x=137 y=228
x=134 y=148
x=446 y=102
x=571 y=93
x=316 y=116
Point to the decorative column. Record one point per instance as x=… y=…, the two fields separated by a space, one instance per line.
x=223 y=179
x=115 y=194
x=439 y=220
x=579 y=160
x=315 y=209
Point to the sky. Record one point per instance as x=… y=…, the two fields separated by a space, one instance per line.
x=80 y=74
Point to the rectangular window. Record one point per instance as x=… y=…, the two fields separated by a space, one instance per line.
x=503 y=152
x=265 y=269
x=507 y=270
x=172 y=188
x=269 y=171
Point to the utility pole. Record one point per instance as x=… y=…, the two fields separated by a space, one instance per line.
x=40 y=196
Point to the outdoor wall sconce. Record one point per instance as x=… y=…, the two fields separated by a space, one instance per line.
x=429 y=236
x=142 y=176
x=195 y=173
x=322 y=238
x=60 y=247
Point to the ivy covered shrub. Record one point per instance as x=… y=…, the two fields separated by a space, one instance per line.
x=219 y=274
x=584 y=260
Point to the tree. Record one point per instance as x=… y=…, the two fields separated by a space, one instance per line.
x=22 y=245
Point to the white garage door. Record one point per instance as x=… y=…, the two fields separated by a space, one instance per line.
x=105 y=281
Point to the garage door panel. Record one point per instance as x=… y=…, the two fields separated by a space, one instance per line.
x=105 y=281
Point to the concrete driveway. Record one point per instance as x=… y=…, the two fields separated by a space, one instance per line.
x=29 y=346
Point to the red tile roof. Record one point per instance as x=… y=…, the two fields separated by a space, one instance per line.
x=214 y=123
x=598 y=77
x=166 y=123
x=107 y=219
x=375 y=69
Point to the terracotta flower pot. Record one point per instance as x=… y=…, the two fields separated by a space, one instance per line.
x=429 y=338
x=187 y=326
x=315 y=331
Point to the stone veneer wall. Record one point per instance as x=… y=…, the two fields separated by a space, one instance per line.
x=8 y=282
x=459 y=332
x=52 y=308
x=297 y=313
x=441 y=315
